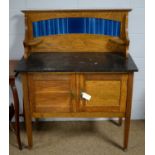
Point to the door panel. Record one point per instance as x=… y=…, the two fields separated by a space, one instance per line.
x=51 y=92
x=107 y=91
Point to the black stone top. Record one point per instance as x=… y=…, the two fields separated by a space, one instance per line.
x=76 y=62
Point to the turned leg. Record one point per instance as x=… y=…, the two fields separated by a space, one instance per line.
x=128 y=111
x=126 y=132
x=16 y=109
x=28 y=125
x=27 y=111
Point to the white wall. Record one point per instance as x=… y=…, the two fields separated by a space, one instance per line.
x=136 y=35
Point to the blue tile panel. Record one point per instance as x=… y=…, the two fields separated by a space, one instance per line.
x=76 y=25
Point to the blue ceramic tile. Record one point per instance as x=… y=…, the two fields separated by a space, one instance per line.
x=76 y=25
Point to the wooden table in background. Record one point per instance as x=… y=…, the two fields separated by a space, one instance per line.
x=12 y=65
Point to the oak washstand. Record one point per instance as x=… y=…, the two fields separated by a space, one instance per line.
x=76 y=64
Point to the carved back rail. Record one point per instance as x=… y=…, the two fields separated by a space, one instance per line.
x=76 y=31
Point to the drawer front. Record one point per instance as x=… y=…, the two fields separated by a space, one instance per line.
x=51 y=92
x=108 y=92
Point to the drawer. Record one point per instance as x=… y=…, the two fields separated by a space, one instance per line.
x=51 y=92
x=108 y=92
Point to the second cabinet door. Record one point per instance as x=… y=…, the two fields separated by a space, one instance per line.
x=108 y=92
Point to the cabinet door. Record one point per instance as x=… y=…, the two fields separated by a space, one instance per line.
x=51 y=92
x=108 y=92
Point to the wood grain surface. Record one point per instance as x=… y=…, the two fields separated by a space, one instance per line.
x=76 y=42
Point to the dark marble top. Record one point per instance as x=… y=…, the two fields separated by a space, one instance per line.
x=76 y=62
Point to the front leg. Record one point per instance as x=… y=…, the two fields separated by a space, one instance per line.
x=126 y=132
x=27 y=110
x=128 y=111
